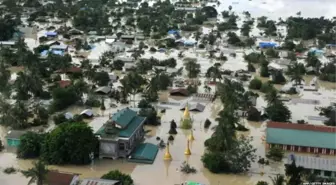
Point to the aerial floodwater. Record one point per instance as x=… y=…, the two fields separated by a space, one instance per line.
x=163 y=172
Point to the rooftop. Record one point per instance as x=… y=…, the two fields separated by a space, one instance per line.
x=60 y=178
x=316 y=163
x=301 y=135
x=123 y=117
x=15 y=134
x=144 y=153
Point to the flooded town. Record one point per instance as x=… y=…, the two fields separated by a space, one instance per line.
x=171 y=92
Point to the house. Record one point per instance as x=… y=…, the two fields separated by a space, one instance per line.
x=129 y=66
x=301 y=137
x=193 y=107
x=99 y=182
x=13 y=137
x=87 y=113
x=125 y=59
x=118 y=47
x=92 y=33
x=120 y=135
x=61 y=178
x=103 y=90
x=179 y=92
x=127 y=38
x=62 y=48
x=321 y=167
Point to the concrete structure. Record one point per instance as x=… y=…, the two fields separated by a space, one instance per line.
x=13 y=137
x=321 y=167
x=121 y=134
x=99 y=182
x=301 y=137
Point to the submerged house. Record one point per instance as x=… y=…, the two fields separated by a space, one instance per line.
x=13 y=137
x=321 y=167
x=264 y=45
x=120 y=135
x=301 y=137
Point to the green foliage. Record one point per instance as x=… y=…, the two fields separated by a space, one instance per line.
x=101 y=78
x=9 y=170
x=253 y=114
x=173 y=127
x=7 y=28
x=186 y=168
x=92 y=101
x=264 y=72
x=267 y=87
x=233 y=39
x=328 y=72
x=288 y=45
x=255 y=84
x=37 y=174
x=330 y=113
x=278 y=77
x=207 y=123
x=59 y=118
x=70 y=143
x=272 y=53
x=30 y=145
x=262 y=183
x=193 y=68
x=275 y=153
x=192 y=89
x=151 y=115
x=294 y=173
x=63 y=98
x=118 y=64
x=295 y=71
x=117 y=175
x=254 y=58
x=278 y=112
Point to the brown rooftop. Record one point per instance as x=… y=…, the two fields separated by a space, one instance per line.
x=295 y=126
x=59 y=178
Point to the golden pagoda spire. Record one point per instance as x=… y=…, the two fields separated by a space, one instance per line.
x=191 y=136
x=186 y=114
x=187 y=150
x=167 y=155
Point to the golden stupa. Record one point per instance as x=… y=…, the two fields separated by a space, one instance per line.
x=191 y=136
x=187 y=150
x=167 y=155
x=186 y=119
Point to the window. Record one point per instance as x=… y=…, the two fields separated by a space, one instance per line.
x=327 y=173
x=317 y=172
x=121 y=146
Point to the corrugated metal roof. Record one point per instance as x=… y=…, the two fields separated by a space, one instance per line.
x=124 y=117
x=301 y=138
x=15 y=134
x=131 y=127
x=316 y=163
x=317 y=128
x=144 y=153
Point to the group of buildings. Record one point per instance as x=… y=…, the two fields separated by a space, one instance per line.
x=304 y=138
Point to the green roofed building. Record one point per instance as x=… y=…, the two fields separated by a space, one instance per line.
x=121 y=134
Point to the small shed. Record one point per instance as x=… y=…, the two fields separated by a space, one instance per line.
x=193 y=107
x=87 y=113
x=144 y=153
x=179 y=92
x=13 y=137
x=51 y=34
x=103 y=90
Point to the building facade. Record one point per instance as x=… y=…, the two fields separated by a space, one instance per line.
x=119 y=136
x=301 y=138
x=321 y=167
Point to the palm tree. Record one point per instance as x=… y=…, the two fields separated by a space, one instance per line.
x=37 y=174
x=214 y=72
x=296 y=70
x=278 y=180
x=272 y=97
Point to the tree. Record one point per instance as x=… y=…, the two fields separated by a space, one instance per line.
x=278 y=180
x=124 y=179
x=30 y=145
x=101 y=78
x=132 y=83
x=37 y=174
x=4 y=79
x=296 y=70
x=264 y=69
x=7 y=28
x=173 y=127
x=275 y=153
x=294 y=173
x=272 y=53
x=193 y=68
x=277 y=111
x=233 y=39
x=63 y=97
x=214 y=72
x=255 y=84
x=278 y=77
x=118 y=64
x=70 y=143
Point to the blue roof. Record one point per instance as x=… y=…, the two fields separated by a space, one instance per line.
x=268 y=44
x=44 y=53
x=50 y=33
x=57 y=52
x=301 y=138
x=173 y=32
x=124 y=117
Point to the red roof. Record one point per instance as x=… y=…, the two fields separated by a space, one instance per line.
x=59 y=178
x=295 y=126
x=64 y=83
x=181 y=91
x=70 y=70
